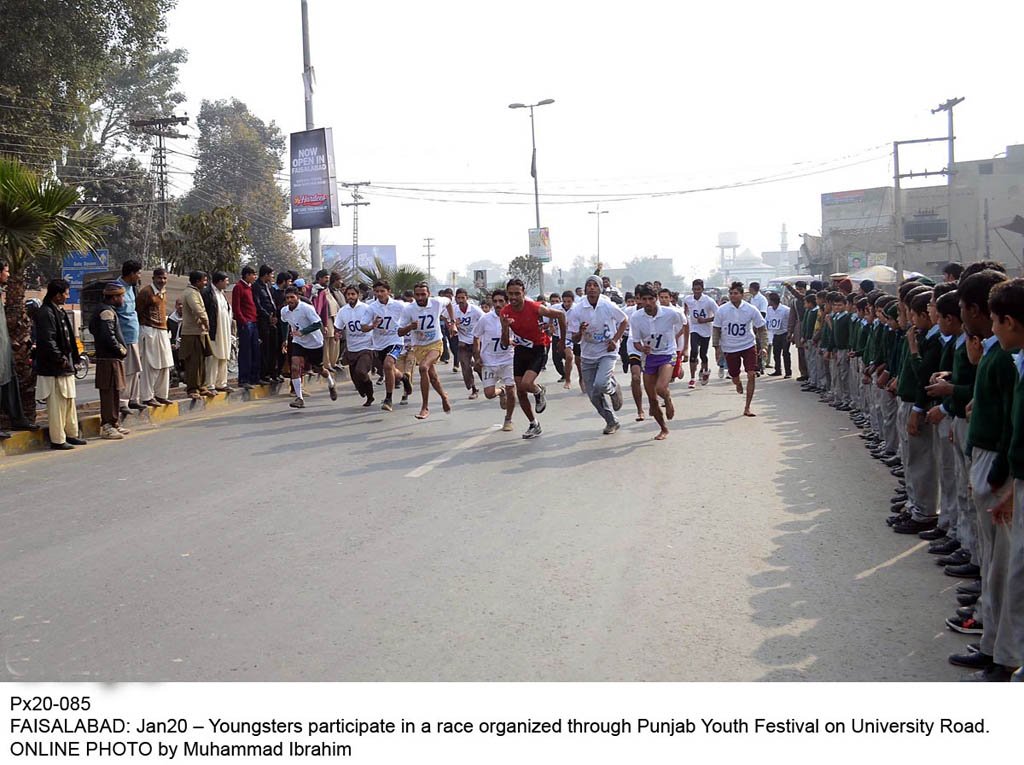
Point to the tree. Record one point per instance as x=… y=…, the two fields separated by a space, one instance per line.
x=239 y=158
x=208 y=241
x=528 y=269
x=34 y=220
x=53 y=63
x=401 y=278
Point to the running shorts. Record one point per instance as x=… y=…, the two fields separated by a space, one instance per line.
x=313 y=356
x=394 y=352
x=529 y=359
x=748 y=357
x=654 y=362
x=420 y=352
x=500 y=375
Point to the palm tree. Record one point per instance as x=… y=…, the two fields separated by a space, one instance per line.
x=401 y=278
x=34 y=222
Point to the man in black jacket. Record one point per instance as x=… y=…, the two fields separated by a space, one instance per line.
x=266 y=322
x=56 y=356
x=111 y=351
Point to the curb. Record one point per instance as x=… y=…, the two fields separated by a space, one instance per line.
x=23 y=442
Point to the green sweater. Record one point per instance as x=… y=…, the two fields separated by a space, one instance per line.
x=1016 y=453
x=994 y=383
x=810 y=316
x=906 y=388
x=841 y=331
x=962 y=379
x=924 y=364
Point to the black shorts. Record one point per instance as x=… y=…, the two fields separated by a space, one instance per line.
x=394 y=352
x=529 y=359
x=313 y=356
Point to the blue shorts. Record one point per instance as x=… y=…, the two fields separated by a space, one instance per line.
x=654 y=362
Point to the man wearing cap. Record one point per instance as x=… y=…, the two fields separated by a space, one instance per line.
x=111 y=351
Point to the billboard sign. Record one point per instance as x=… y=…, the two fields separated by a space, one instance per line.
x=540 y=244
x=314 y=180
x=334 y=254
x=480 y=279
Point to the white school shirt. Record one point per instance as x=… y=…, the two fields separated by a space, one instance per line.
x=659 y=330
x=777 y=320
x=760 y=302
x=603 y=322
x=386 y=335
x=492 y=352
x=298 y=319
x=427 y=319
x=704 y=308
x=350 y=320
x=735 y=323
x=467 y=321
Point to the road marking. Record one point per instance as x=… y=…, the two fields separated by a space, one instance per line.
x=469 y=443
x=880 y=566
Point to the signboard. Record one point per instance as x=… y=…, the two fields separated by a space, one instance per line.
x=480 y=280
x=314 y=180
x=878 y=258
x=540 y=244
x=95 y=260
x=855 y=261
x=333 y=254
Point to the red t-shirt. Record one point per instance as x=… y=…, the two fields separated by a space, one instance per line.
x=526 y=323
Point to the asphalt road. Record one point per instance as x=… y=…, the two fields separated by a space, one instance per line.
x=341 y=543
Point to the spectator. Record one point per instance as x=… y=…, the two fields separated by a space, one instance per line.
x=952 y=272
x=195 y=336
x=131 y=271
x=266 y=311
x=154 y=341
x=56 y=357
x=243 y=306
x=219 y=313
x=111 y=350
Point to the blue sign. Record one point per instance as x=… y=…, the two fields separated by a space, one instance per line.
x=77 y=276
x=96 y=260
x=74 y=296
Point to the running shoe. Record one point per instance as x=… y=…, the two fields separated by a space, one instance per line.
x=507 y=427
x=386 y=406
x=533 y=431
x=298 y=403
x=704 y=377
x=333 y=391
x=540 y=399
x=721 y=372
x=965 y=626
x=404 y=401
x=616 y=396
x=693 y=384
x=610 y=428
x=501 y=397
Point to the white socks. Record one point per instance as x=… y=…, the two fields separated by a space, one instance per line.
x=297 y=387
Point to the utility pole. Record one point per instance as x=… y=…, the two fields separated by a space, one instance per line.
x=428 y=242
x=355 y=204
x=161 y=128
x=308 y=78
x=598 y=212
x=948 y=108
x=898 y=202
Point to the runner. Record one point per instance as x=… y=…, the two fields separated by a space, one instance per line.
x=466 y=317
x=422 y=320
x=598 y=325
x=521 y=327
x=702 y=313
x=495 y=358
x=356 y=321
x=656 y=330
x=387 y=345
x=305 y=344
x=734 y=336
x=632 y=360
x=668 y=299
x=568 y=347
x=404 y=356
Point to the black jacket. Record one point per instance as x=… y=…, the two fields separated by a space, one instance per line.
x=263 y=295
x=106 y=332
x=56 y=350
x=210 y=301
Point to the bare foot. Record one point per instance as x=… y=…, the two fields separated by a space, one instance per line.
x=424 y=414
x=739 y=385
x=639 y=416
x=748 y=413
x=446 y=405
x=567 y=386
x=670 y=408
x=661 y=436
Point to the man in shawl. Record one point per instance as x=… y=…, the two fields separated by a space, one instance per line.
x=154 y=341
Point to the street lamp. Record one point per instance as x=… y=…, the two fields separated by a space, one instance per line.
x=598 y=212
x=533 y=166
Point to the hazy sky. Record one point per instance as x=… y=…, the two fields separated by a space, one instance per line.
x=649 y=97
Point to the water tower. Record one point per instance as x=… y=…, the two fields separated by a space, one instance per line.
x=727 y=240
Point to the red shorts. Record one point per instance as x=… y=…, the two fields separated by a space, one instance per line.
x=748 y=357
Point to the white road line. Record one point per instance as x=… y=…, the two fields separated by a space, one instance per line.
x=880 y=566
x=469 y=443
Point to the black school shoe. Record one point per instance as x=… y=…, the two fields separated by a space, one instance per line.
x=944 y=547
x=971 y=659
x=955 y=558
x=967 y=600
x=903 y=517
x=935 y=535
x=914 y=527
x=994 y=673
x=964 y=571
x=969 y=588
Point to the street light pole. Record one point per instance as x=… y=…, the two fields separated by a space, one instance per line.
x=533 y=167
x=598 y=212
x=307 y=78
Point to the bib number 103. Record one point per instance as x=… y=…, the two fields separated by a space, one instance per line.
x=735 y=329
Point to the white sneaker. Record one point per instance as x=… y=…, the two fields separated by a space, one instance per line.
x=109 y=432
x=123 y=430
x=616 y=395
x=298 y=403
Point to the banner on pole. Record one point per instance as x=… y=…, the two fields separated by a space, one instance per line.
x=480 y=279
x=540 y=244
x=314 y=180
